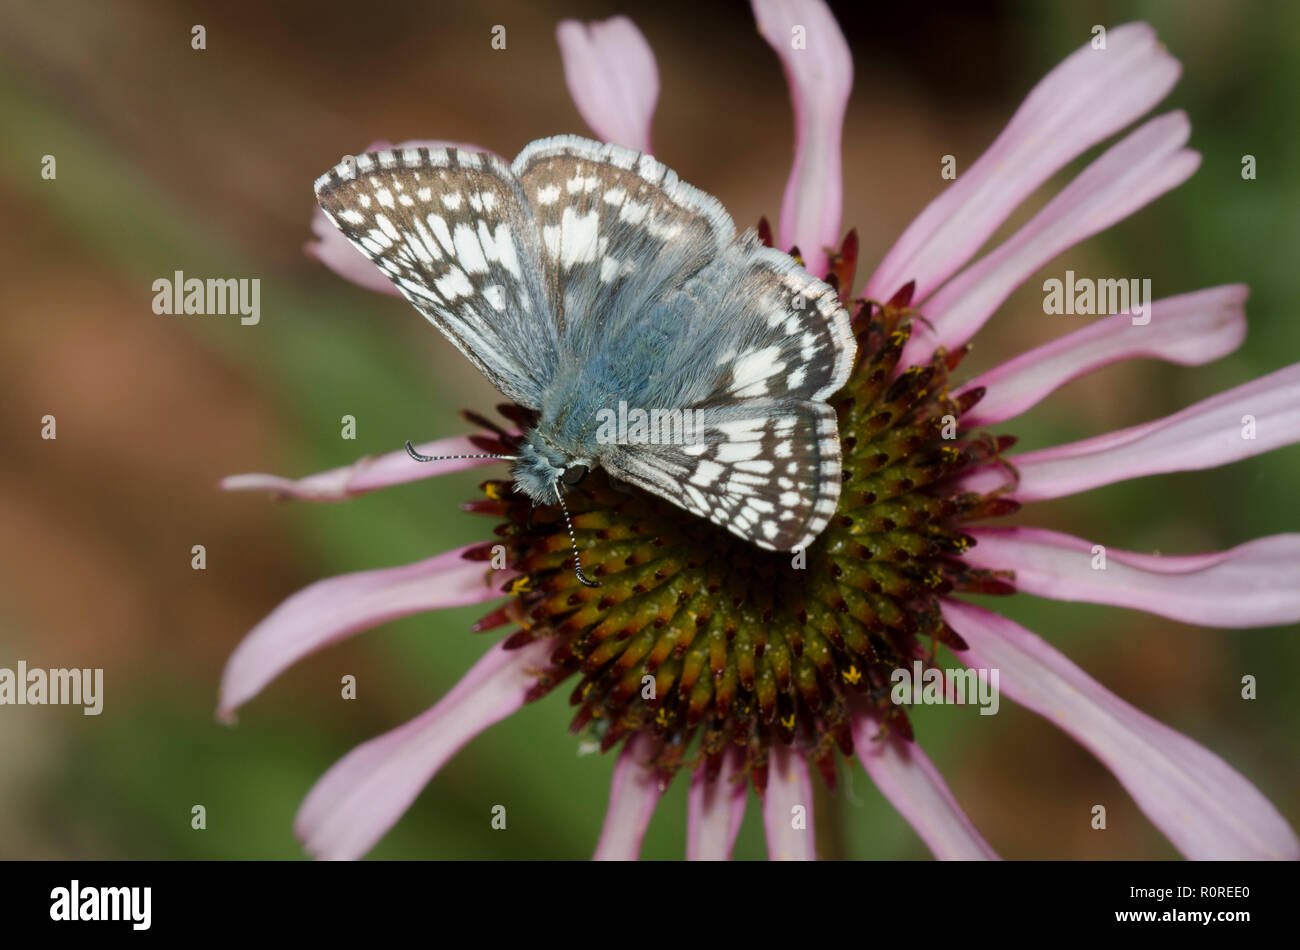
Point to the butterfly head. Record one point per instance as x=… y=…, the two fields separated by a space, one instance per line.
x=542 y=470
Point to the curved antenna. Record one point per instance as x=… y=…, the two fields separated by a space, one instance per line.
x=410 y=450
x=577 y=561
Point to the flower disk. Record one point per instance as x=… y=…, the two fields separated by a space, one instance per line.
x=694 y=634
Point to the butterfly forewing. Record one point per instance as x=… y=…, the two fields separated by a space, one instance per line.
x=619 y=230
x=451 y=229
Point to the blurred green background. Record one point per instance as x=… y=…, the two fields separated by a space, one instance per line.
x=174 y=159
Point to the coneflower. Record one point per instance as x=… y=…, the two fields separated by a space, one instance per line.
x=700 y=652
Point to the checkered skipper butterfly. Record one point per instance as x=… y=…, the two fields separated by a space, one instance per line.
x=586 y=277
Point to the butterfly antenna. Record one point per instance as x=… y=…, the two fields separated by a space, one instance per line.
x=577 y=561
x=410 y=450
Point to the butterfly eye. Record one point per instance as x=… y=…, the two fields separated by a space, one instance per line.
x=574 y=474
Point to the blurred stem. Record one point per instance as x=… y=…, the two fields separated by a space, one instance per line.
x=829 y=823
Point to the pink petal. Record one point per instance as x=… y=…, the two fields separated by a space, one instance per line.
x=1205 y=435
x=633 y=795
x=1087 y=98
x=1256 y=584
x=1205 y=808
x=366 y=474
x=715 y=810
x=1190 y=329
x=611 y=74
x=820 y=76
x=353 y=804
x=789 y=787
x=332 y=609
x=1136 y=171
x=333 y=250
x=906 y=776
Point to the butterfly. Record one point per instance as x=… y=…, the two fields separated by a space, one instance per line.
x=586 y=278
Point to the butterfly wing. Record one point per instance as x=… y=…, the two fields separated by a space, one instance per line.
x=767 y=470
x=773 y=330
x=631 y=249
x=453 y=232
x=619 y=230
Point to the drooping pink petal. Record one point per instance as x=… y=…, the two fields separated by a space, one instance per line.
x=332 y=609
x=633 y=795
x=1090 y=96
x=1130 y=174
x=611 y=74
x=1202 y=805
x=788 y=807
x=366 y=474
x=715 y=810
x=333 y=250
x=819 y=70
x=353 y=804
x=1190 y=329
x=1251 y=419
x=1256 y=584
x=906 y=776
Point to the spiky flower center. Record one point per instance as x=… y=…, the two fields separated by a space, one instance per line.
x=706 y=642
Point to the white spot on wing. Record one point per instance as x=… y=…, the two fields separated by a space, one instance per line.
x=441 y=232
x=468 y=251
x=505 y=245
x=706 y=473
x=758 y=365
x=579 y=236
x=454 y=284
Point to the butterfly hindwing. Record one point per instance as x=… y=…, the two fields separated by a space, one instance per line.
x=774 y=331
x=453 y=232
x=767 y=470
